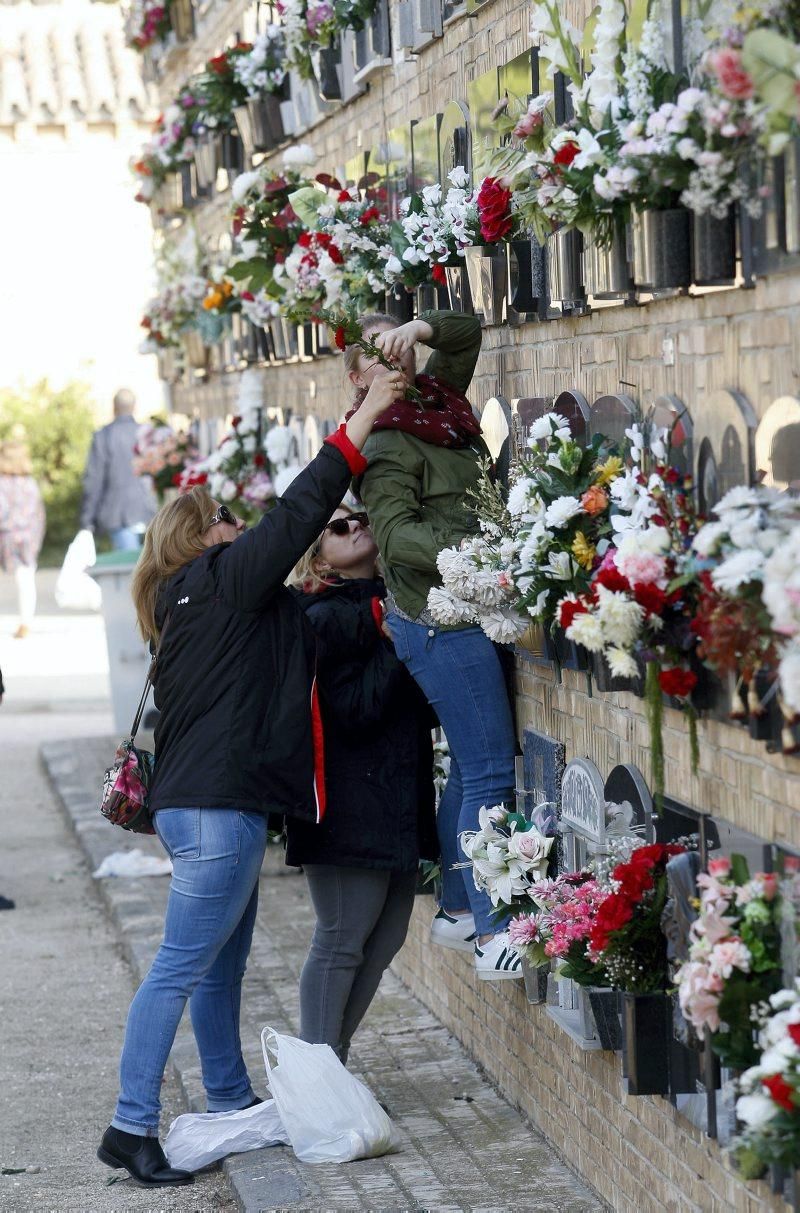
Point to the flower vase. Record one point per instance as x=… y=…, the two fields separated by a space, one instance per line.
x=646 y=1021
x=564 y=268
x=194 y=349
x=487 y=268
x=244 y=125
x=535 y=977
x=232 y=155
x=206 y=158
x=458 y=288
x=266 y=122
x=277 y=340
x=167 y=364
x=291 y=341
x=527 y=279
x=605 y=1008
x=426 y=298
x=181 y=15
x=327 y=64
x=661 y=253
x=532 y=641
x=714 y=250
x=606 y=270
x=607 y=682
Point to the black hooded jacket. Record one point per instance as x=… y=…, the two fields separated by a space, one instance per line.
x=378 y=752
x=237 y=662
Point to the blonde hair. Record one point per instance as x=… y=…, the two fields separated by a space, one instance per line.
x=15 y=459
x=172 y=540
x=306 y=574
x=367 y=323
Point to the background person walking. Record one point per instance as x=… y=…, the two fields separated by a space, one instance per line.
x=115 y=499
x=22 y=522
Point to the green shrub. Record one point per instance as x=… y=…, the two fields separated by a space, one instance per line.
x=58 y=425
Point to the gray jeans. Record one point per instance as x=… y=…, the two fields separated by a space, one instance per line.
x=362 y=920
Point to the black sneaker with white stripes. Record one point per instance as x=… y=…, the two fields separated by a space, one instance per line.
x=497 y=960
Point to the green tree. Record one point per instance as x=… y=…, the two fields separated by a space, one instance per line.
x=58 y=426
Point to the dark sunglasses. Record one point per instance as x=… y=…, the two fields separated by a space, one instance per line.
x=341 y=526
x=223 y=514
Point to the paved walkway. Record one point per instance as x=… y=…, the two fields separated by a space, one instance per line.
x=463 y=1147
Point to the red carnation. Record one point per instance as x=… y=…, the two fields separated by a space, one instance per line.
x=794 y=1031
x=780 y=1091
x=218 y=64
x=334 y=254
x=369 y=214
x=236 y=421
x=304 y=240
x=612 y=579
x=677 y=682
x=612 y=914
x=566 y=154
x=339 y=338
x=238 y=217
x=649 y=596
x=259 y=460
x=494 y=210
x=568 y=610
x=323 y=239
x=248 y=295
x=438 y=274
x=344 y=197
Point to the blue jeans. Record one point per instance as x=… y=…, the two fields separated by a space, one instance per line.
x=461 y=677
x=216 y=858
x=125 y=539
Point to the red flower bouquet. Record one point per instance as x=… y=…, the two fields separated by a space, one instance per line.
x=494 y=210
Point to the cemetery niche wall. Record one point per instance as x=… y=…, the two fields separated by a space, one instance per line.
x=568 y=329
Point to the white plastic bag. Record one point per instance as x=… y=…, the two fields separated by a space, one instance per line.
x=328 y=1115
x=75 y=589
x=200 y=1138
x=133 y=863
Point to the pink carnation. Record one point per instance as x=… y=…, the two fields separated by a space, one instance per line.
x=719 y=867
x=733 y=80
x=523 y=930
x=643 y=568
x=727 y=956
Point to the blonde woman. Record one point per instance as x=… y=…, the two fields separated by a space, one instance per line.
x=361 y=860
x=22 y=523
x=234 y=742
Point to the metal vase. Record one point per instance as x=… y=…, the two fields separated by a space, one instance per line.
x=535 y=977
x=487 y=269
x=327 y=64
x=181 y=15
x=564 y=267
x=244 y=125
x=646 y=1022
x=606 y=270
x=458 y=288
x=277 y=340
x=661 y=249
x=526 y=275
x=265 y=122
x=714 y=250
x=605 y=1009
x=167 y=364
x=232 y=154
x=206 y=159
x=194 y=349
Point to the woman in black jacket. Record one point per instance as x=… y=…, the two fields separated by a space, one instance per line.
x=361 y=859
x=234 y=742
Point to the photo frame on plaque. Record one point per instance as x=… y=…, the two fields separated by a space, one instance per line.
x=497 y=426
x=670 y=413
x=543 y=762
x=778 y=444
x=524 y=411
x=612 y=416
x=425 y=167
x=455 y=147
x=724 y=445
x=573 y=405
x=627 y=786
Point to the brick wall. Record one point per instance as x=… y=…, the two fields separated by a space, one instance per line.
x=637 y=1152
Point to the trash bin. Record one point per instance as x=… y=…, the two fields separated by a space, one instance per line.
x=128 y=656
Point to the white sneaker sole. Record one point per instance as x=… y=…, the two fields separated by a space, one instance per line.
x=498 y=975
x=456 y=945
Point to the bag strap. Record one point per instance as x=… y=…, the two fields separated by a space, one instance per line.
x=148 y=682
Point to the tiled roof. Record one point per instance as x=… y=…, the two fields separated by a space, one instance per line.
x=67 y=62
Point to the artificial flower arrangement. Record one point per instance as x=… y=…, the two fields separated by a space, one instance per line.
x=253 y=464
x=162 y=454
x=146 y=22
x=769 y=1103
x=539 y=547
x=220 y=88
x=748 y=613
x=172 y=143
x=558 y=925
x=734 y=961
x=433 y=230
x=626 y=939
x=310 y=25
x=262 y=70
x=508 y=854
x=178 y=305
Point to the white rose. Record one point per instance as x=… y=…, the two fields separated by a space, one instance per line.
x=756 y=1110
x=300 y=154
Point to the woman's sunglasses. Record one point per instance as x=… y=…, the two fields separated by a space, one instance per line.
x=341 y=526
x=223 y=514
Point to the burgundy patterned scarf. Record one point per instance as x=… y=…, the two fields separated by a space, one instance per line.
x=443 y=417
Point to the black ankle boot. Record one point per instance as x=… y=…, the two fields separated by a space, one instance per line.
x=216 y=1112
x=142 y=1158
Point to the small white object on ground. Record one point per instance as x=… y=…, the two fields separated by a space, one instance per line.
x=200 y=1138
x=133 y=863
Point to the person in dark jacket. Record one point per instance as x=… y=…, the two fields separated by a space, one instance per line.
x=361 y=859
x=235 y=688
x=423 y=462
x=116 y=500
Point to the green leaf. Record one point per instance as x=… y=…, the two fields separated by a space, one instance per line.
x=739 y=869
x=772 y=61
x=306 y=203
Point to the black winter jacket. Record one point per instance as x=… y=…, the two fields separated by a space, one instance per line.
x=235 y=672
x=378 y=753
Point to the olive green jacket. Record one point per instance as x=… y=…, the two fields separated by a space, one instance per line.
x=415 y=492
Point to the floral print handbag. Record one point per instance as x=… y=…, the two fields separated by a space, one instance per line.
x=126 y=783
